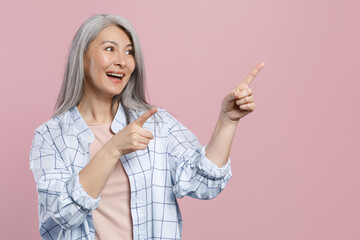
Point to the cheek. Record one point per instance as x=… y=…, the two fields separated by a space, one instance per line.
x=132 y=66
x=100 y=62
x=91 y=68
x=95 y=68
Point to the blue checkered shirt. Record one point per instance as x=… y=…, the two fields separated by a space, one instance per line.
x=173 y=166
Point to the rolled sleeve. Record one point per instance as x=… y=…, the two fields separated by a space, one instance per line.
x=78 y=194
x=210 y=170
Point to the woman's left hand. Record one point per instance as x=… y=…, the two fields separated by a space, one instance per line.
x=240 y=101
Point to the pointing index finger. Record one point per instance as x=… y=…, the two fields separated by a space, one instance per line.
x=145 y=116
x=250 y=77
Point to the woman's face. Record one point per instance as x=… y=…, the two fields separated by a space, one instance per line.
x=108 y=63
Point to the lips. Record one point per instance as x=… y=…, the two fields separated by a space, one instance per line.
x=115 y=76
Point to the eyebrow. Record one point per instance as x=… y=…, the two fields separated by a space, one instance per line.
x=115 y=43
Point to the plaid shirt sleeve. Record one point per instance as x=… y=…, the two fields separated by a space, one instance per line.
x=59 y=189
x=192 y=173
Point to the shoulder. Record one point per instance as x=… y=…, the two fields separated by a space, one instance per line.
x=56 y=125
x=164 y=116
x=170 y=121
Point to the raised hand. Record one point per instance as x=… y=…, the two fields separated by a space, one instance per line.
x=133 y=137
x=240 y=101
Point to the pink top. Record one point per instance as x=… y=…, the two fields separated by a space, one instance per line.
x=112 y=218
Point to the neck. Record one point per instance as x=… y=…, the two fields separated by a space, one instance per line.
x=96 y=111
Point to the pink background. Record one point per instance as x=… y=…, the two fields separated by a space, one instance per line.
x=296 y=168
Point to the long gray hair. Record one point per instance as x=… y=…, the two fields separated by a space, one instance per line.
x=132 y=96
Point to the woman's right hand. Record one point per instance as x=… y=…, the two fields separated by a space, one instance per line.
x=133 y=137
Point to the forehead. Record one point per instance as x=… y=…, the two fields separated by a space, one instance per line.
x=113 y=33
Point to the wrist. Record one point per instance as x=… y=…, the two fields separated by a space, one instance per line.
x=111 y=150
x=225 y=120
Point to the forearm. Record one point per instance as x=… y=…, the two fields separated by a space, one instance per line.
x=95 y=174
x=218 y=148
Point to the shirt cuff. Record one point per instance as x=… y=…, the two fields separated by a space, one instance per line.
x=209 y=169
x=80 y=196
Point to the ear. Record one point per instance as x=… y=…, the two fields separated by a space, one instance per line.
x=86 y=65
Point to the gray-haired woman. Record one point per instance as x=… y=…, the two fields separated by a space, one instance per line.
x=106 y=142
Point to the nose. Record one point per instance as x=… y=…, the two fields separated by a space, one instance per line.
x=120 y=60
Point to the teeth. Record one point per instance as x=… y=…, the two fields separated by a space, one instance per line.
x=115 y=75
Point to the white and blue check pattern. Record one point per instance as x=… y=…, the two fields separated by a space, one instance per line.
x=173 y=165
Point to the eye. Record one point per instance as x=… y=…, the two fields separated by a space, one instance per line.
x=110 y=49
x=130 y=52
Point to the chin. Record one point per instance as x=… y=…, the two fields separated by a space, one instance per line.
x=116 y=92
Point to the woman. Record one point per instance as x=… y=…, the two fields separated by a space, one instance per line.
x=106 y=142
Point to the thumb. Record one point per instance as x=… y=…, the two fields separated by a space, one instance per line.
x=231 y=96
x=145 y=116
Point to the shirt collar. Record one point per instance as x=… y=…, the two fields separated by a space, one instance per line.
x=84 y=132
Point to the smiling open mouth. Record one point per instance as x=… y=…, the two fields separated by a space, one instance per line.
x=118 y=76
